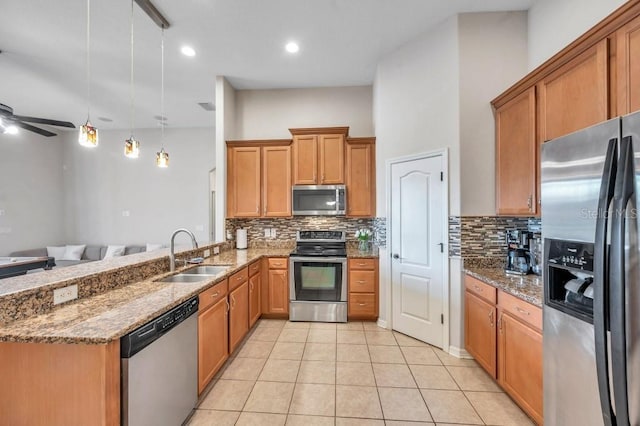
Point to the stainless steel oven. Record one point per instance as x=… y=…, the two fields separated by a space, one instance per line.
x=318 y=277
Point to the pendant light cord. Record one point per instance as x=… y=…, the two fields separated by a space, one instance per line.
x=162 y=118
x=131 y=90
x=88 y=59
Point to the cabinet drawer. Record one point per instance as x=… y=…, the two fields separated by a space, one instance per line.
x=362 y=281
x=277 y=263
x=362 y=304
x=238 y=278
x=254 y=268
x=480 y=289
x=520 y=309
x=212 y=295
x=364 y=264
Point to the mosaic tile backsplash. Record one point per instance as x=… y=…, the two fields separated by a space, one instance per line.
x=484 y=236
x=286 y=228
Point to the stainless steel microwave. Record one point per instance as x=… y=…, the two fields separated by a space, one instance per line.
x=319 y=200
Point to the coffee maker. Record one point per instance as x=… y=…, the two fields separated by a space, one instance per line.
x=518 y=254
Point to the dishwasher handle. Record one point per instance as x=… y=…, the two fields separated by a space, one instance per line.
x=140 y=338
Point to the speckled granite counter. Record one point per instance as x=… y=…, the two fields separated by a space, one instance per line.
x=353 y=252
x=112 y=314
x=527 y=287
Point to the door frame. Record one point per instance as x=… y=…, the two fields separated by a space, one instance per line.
x=444 y=153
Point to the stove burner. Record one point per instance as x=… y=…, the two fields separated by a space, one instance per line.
x=320 y=243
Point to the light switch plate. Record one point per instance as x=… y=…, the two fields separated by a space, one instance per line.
x=273 y=232
x=216 y=250
x=267 y=232
x=126 y=213
x=64 y=294
x=207 y=253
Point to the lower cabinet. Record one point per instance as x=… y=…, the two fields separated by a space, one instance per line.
x=213 y=328
x=504 y=335
x=275 y=297
x=238 y=315
x=362 y=283
x=255 y=284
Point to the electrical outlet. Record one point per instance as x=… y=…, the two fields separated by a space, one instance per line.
x=126 y=213
x=267 y=232
x=273 y=232
x=64 y=294
x=206 y=253
x=216 y=250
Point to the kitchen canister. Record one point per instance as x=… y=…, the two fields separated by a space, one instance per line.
x=241 y=238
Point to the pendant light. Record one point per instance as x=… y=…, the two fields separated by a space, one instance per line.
x=88 y=135
x=131 y=146
x=162 y=157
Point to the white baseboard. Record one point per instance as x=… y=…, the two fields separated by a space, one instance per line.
x=382 y=323
x=459 y=352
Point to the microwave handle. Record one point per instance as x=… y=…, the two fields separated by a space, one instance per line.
x=337 y=199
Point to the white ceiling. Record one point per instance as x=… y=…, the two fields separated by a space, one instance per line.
x=43 y=66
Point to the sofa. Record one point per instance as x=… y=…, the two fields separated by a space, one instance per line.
x=91 y=254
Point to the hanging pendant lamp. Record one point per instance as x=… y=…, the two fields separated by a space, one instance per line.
x=88 y=135
x=131 y=146
x=162 y=157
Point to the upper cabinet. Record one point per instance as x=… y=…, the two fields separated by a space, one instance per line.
x=360 y=177
x=595 y=78
x=576 y=95
x=318 y=155
x=259 y=178
x=516 y=156
x=628 y=67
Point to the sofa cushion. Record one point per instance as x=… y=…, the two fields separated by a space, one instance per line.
x=56 y=252
x=93 y=252
x=63 y=263
x=39 y=252
x=114 y=251
x=134 y=249
x=73 y=252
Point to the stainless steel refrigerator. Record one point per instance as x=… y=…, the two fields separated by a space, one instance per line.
x=590 y=184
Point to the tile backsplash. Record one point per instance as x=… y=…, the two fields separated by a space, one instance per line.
x=484 y=236
x=285 y=228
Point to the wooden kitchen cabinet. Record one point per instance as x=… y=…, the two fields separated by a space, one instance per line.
x=213 y=332
x=576 y=95
x=517 y=156
x=243 y=181
x=318 y=156
x=255 y=290
x=360 y=177
x=480 y=332
x=628 y=67
x=520 y=363
x=275 y=287
x=276 y=181
x=362 y=287
x=238 y=315
x=259 y=178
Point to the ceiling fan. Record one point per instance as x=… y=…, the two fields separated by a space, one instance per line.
x=8 y=119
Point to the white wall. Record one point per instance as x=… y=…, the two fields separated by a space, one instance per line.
x=101 y=183
x=554 y=24
x=268 y=114
x=493 y=56
x=416 y=98
x=225 y=130
x=31 y=198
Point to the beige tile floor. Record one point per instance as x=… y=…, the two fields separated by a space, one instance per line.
x=308 y=374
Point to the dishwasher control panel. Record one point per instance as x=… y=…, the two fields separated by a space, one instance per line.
x=143 y=336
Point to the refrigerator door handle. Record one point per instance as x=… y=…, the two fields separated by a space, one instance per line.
x=624 y=193
x=601 y=284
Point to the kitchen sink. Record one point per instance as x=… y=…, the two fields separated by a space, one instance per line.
x=207 y=270
x=184 y=278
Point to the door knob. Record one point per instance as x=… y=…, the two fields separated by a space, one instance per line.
x=396 y=256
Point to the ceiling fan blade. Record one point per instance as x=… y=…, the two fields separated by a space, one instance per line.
x=45 y=121
x=34 y=129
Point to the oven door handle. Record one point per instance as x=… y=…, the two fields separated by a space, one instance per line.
x=319 y=259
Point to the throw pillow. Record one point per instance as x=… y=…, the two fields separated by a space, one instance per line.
x=73 y=252
x=56 y=252
x=152 y=247
x=114 y=251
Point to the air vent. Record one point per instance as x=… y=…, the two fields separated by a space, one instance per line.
x=207 y=106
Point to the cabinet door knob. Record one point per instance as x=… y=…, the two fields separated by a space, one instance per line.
x=491 y=318
x=395 y=256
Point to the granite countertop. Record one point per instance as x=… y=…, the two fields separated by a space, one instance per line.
x=526 y=287
x=110 y=315
x=353 y=252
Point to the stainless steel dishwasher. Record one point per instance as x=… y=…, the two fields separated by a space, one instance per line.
x=160 y=369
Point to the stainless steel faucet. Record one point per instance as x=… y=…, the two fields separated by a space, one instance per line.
x=172 y=256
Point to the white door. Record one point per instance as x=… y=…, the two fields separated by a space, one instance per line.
x=417 y=245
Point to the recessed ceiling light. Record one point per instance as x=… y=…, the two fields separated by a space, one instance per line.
x=11 y=130
x=188 y=51
x=292 y=47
